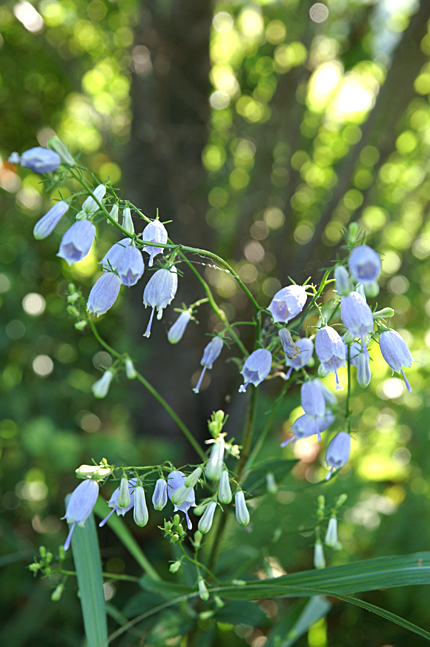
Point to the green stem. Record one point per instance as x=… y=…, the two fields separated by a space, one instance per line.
x=182 y=426
x=199 y=565
x=108 y=576
x=348 y=392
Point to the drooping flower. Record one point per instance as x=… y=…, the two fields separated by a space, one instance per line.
x=113 y=502
x=360 y=360
x=130 y=266
x=319 y=559
x=80 y=505
x=330 y=351
x=101 y=387
x=154 y=232
x=140 y=510
x=38 y=159
x=50 y=220
x=338 y=451
x=103 y=294
x=174 y=481
x=325 y=422
x=357 y=317
x=206 y=520
x=76 y=242
x=396 y=353
x=159 y=292
x=256 y=368
x=303 y=427
x=112 y=256
x=242 y=514
x=328 y=395
x=290 y=348
x=210 y=354
x=177 y=330
x=288 y=303
x=341 y=277
x=90 y=206
x=312 y=400
x=159 y=498
x=303 y=358
x=215 y=464
x=224 y=491
x=364 y=264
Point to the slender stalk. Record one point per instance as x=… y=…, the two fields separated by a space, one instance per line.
x=348 y=392
x=183 y=427
x=108 y=576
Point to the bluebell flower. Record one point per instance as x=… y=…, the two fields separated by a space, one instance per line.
x=360 y=360
x=174 y=481
x=330 y=351
x=38 y=159
x=206 y=520
x=90 y=206
x=364 y=264
x=111 y=258
x=396 y=353
x=338 y=450
x=328 y=395
x=303 y=427
x=242 y=514
x=50 y=220
x=341 y=278
x=357 y=317
x=76 y=242
x=210 y=354
x=288 y=303
x=103 y=294
x=256 y=368
x=177 y=330
x=159 y=292
x=215 y=464
x=127 y=221
x=159 y=498
x=130 y=266
x=101 y=387
x=312 y=400
x=140 y=510
x=154 y=232
x=113 y=502
x=303 y=358
x=224 y=490
x=80 y=505
x=326 y=421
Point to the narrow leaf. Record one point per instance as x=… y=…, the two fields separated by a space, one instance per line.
x=316 y=608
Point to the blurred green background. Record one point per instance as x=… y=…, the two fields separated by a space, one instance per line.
x=260 y=129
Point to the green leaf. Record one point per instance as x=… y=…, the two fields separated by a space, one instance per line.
x=86 y=555
x=124 y=535
x=291 y=627
x=255 y=480
x=369 y=575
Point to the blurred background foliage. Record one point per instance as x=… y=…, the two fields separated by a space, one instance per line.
x=260 y=129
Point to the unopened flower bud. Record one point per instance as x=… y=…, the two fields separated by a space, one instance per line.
x=319 y=559
x=159 y=498
x=242 y=514
x=371 y=289
x=174 y=568
x=271 y=484
x=341 y=500
x=181 y=494
x=331 y=536
x=129 y=369
x=55 y=144
x=114 y=214
x=203 y=592
x=127 y=222
x=341 y=278
x=177 y=330
x=92 y=471
x=205 y=523
x=385 y=313
x=124 y=494
x=101 y=387
x=192 y=478
x=224 y=491
x=197 y=538
x=216 y=460
x=140 y=510
x=80 y=325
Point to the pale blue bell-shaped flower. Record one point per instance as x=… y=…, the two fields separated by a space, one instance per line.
x=140 y=510
x=256 y=368
x=396 y=353
x=130 y=266
x=288 y=303
x=159 y=292
x=80 y=505
x=306 y=348
x=174 y=481
x=364 y=264
x=326 y=421
x=328 y=395
x=176 y=331
x=303 y=427
x=357 y=317
x=113 y=502
x=312 y=400
x=224 y=491
x=330 y=351
x=159 y=498
x=154 y=232
x=111 y=258
x=338 y=450
x=77 y=241
x=103 y=294
x=206 y=520
x=50 y=220
x=210 y=354
x=242 y=514
x=101 y=387
x=40 y=160
x=341 y=278
x=90 y=206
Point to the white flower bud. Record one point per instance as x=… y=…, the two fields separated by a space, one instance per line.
x=224 y=490
x=101 y=387
x=129 y=369
x=124 y=494
x=319 y=559
x=127 y=222
x=192 y=478
x=140 y=510
x=205 y=523
x=242 y=514
x=331 y=536
x=216 y=460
